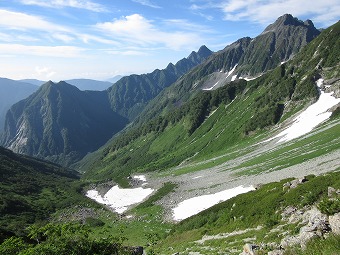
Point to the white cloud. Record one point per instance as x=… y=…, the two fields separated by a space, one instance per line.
x=22 y=21
x=80 y=4
x=63 y=37
x=87 y=38
x=137 y=30
x=264 y=11
x=147 y=3
x=127 y=52
x=45 y=72
x=45 y=51
x=184 y=24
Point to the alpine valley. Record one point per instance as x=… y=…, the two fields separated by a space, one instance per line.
x=228 y=152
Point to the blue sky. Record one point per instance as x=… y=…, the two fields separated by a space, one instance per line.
x=97 y=39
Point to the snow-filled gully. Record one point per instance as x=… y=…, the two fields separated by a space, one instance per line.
x=314 y=115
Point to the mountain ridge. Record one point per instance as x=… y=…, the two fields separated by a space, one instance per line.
x=62 y=123
x=54 y=122
x=245 y=58
x=139 y=89
x=211 y=121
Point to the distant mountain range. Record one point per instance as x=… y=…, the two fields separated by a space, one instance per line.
x=12 y=92
x=82 y=84
x=115 y=78
x=131 y=93
x=62 y=124
x=52 y=124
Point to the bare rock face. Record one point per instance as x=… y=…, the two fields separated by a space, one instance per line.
x=333 y=192
x=249 y=249
x=334 y=223
x=289 y=241
x=294 y=183
x=317 y=222
x=316 y=226
x=292 y=214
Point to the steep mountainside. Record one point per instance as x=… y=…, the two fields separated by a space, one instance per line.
x=61 y=123
x=31 y=190
x=213 y=121
x=131 y=93
x=244 y=58
x=12 y=92
x=277 y=43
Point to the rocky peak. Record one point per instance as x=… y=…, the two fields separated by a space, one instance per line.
x=308 y=22
x=202 y=53
x=288 y=20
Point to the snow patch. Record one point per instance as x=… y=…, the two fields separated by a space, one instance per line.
x=311 y=117
x=195 y=205
x=232 y=70
x=197 y=177
x=212 y=86
x=228 y=74
x=140 y=177
x=119 y=199
x=233 y=78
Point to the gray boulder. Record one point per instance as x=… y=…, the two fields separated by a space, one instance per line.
x=334 y=223
x=276 y=252
x=249 y=249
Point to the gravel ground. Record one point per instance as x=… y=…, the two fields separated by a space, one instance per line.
x=218 y=178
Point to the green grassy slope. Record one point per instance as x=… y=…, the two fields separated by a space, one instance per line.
x=214 y=122
x=32 y=190
x=252 y=215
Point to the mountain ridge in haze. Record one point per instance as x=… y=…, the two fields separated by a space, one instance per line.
x=11 y=92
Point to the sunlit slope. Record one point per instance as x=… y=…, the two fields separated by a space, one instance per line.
x=214 y=122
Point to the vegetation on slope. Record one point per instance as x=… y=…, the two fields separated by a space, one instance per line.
x=246 y=212
x=32 y=190
x=64 y=239
x=213 y=121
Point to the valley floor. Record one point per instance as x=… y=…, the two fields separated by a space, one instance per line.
x=241 y=170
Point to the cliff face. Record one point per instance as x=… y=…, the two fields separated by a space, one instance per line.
x=61 y=123
x=277 y=43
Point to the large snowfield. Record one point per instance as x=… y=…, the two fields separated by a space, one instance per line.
x=195 y=205
x=120 y=199
x=309 y=118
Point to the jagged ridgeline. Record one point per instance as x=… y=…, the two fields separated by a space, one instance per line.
x=212 y=121
x=62 y=124
x=130 y=94
x=247 y=58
